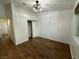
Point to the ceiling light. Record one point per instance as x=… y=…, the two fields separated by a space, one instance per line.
x=37 y=7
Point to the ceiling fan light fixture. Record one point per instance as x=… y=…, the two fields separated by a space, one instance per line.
x=37 y=7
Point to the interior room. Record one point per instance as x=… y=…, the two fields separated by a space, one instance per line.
x=39 y=29
x=4 y=27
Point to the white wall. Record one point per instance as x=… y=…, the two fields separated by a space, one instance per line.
x=2 y=11
x=74 y=44
x=56 y=25
x=75 y=48
x=5 y=11
x=20 y=25
x=35 y=29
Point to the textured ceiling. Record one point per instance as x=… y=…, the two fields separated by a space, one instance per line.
x=47 y=5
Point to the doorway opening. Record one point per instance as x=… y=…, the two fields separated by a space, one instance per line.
x=4 y=27
x=30 y=30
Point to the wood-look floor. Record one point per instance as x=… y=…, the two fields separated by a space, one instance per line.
x=38 y=48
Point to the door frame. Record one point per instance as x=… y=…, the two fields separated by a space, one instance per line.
x=30 y=21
